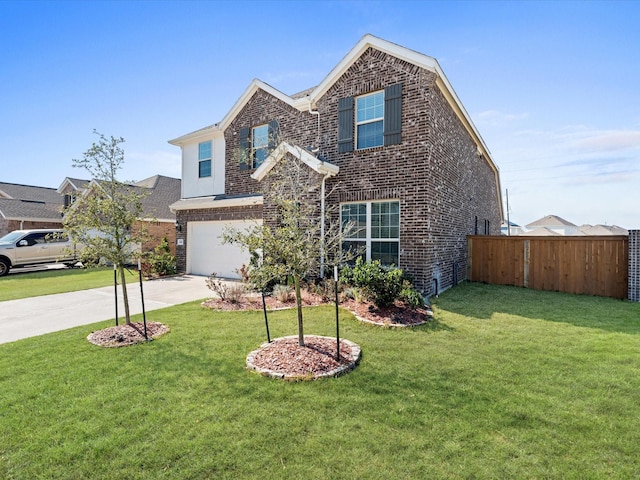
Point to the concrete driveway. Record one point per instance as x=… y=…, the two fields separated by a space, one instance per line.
x=50 y=313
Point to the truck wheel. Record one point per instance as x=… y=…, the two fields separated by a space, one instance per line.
x=4 y=267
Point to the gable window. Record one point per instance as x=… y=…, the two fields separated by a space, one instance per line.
x=204 y=159
x=370 y=120
x=378 y=119
x=256 y=144
x=375 y=229
x=259 y=144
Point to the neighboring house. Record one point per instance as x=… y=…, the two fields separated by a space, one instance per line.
x=601 y=230
x=512 y=229
x=553 y=223
x=160 y=192
x=25 y=207
x=394 y=149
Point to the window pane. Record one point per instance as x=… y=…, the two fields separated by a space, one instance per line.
x=370 y=135
x=386 y=252
x=204 y=169
x=354 y=247
x=356 y=213
x=204 y=151
x=259 y=156
x=370 y=107
x=385 y=224
x=261 y=136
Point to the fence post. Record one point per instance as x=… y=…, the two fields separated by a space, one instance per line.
x=527 y=254
x=634 y=266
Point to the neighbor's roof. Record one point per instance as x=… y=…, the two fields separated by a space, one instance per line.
x=28 y=202
x=14 y=209
x=550 y=221
x=601 y=230
x=29 y=192
x=540 y=232
x=163 y=192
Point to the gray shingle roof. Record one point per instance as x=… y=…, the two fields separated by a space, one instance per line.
x=163 y=192
x=29 y=192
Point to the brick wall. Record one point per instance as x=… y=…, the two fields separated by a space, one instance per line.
x=7 y=226
x=158 y=230
x=209 y=215
x=634 y=265
x=443 y=186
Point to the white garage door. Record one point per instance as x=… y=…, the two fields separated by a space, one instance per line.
x=206 y=252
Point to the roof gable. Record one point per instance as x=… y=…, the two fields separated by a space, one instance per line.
x=284 y=148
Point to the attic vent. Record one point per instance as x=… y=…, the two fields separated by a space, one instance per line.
x=33 y=201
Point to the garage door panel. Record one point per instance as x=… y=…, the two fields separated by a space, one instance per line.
x=207 y=254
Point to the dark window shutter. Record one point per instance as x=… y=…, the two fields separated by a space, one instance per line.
x=393 y=114
x=245 y=148
x=273 y=134
x=345 y=125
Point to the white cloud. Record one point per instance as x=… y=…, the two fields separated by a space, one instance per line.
x=495 y=118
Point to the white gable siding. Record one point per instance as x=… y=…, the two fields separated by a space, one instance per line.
x=192 y=185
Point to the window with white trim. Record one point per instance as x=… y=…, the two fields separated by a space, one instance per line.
x=375 y=228
x=204 y=159
x=259 y=144
x=370 y=120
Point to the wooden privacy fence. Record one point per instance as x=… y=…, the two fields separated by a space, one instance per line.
x=587 y=265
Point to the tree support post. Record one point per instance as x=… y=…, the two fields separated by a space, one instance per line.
x=144 y=315
x=266 y=320
x=335 y=278
x=115 y=289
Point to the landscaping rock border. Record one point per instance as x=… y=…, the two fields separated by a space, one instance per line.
x=353 y=359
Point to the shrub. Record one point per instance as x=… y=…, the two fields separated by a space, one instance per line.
x=283 y=293
x=411 y=296
x=160 y=261
x=382 y=285
x=217 y=286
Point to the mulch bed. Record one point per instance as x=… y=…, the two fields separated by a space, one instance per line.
x=397 y=315
x=122 y=335
x=284 y=358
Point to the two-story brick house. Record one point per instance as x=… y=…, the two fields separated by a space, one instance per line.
x=388 y=137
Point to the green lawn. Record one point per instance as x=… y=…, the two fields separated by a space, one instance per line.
x=505 y=383
x=25 y=285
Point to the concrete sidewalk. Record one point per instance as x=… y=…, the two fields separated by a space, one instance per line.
x=50 y=313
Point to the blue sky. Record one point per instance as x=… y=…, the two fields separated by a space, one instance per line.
x=553 y=87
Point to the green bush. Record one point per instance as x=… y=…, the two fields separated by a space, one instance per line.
x=380 y=284
x=411 y=296
x=160 y=261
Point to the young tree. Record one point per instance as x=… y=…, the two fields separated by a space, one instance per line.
x=102 y=219
x=290 y=244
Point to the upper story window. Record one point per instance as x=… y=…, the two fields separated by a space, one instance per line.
x=375 y=119
x=375 y=229
x=259 y=144
x=204 y=159
x=256 y=144
x=370 y=120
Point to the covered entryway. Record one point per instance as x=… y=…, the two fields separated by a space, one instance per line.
x=208 y=254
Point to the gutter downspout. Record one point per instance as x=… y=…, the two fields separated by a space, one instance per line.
x=315 y=112
x=322 y=220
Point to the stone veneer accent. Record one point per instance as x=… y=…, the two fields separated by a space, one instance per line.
x=634 y=265
x=445 y=188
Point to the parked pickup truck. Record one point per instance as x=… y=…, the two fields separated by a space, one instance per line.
x=21 y=248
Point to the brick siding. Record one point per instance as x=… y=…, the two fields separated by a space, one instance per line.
x=7 y=226
x=444 y=188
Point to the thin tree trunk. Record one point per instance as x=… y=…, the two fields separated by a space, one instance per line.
x=125 y=297
x=296 y=281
